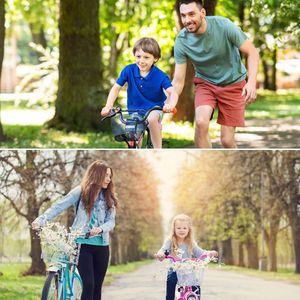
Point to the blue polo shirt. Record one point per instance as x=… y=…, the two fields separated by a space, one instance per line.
x=144 y=92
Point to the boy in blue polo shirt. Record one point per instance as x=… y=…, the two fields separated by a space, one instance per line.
x=146 y=86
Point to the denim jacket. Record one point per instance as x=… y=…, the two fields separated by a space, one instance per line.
x=105 y=216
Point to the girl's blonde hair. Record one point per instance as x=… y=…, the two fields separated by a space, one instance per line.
x=189 y=240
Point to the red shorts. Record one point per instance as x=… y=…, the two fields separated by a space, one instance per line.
x=229 y=99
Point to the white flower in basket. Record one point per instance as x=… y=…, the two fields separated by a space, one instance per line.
x=57 y=242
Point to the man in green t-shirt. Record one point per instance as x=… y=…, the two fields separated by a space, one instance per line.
x=213 y=45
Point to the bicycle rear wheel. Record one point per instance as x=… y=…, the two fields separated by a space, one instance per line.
x=77 y=287
x=52 y=289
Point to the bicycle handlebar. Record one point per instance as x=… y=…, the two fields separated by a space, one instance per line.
x=119 y=110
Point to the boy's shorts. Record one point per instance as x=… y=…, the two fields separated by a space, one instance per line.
x=229 y=99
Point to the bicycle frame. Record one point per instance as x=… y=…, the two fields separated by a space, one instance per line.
x=186 y=292
x=130 y=139
x=66 y=273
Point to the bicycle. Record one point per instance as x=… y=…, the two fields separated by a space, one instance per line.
x=63 y=281
x=131 y=125
x=189 y=273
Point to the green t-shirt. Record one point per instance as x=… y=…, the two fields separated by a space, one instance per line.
x=94 y=240
x=215 y=53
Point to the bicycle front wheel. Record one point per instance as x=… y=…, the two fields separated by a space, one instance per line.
x=52 y=289
x=77 y=287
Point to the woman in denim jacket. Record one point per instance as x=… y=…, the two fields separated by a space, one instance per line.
x=95 y=214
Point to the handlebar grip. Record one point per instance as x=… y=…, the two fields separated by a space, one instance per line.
x=174 y=111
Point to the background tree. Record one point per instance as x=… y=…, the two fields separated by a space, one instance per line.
x=2 y=38
x=80 y=71
x=30 y=180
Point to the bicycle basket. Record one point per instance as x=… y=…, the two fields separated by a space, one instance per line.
x=132 y=130
x=58 y=244
x=118 y=129
x=189 y=275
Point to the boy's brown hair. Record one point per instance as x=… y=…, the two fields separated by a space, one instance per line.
x=148 y=45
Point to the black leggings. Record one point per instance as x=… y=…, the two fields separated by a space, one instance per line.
x=92 y=266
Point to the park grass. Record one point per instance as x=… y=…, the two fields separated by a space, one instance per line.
x=17 y=287
x=269 y=105
x=36 y=136
x=275 y=105
x=283 y=274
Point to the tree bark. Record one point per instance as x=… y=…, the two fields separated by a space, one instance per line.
x=2 y=38
x=272 y=241
x=252 y=254
x=210 y=6
x=227 y=252
x=241 y=262
x=80 y=93
x=274 y=72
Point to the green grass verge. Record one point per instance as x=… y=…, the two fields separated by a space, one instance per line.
x=14 y=286
x=35 y=136
x=269 y=105
x=282 y=274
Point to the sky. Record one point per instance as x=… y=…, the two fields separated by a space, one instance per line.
x=166 y=165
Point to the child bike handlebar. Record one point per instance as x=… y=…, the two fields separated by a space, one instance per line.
x=118 y=110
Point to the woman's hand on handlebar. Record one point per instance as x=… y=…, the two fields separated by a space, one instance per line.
x=96 y=231
x=105 y=111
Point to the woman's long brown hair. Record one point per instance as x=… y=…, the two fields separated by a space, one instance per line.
x=91 y=186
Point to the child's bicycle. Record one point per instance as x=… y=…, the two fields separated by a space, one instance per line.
x=189 y=273
x=63 y=281
x=131 y=125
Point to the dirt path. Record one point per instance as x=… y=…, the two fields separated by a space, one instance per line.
x=217 y=285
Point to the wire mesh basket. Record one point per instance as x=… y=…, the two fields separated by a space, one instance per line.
x=132 y=130
x=189 y=273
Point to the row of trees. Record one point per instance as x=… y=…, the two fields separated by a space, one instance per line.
x=245 y=199
x=94 y=41
x=32 y=180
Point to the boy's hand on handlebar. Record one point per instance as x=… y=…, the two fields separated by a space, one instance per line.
x=168 y=108
x=160 y=255
x=105 y=111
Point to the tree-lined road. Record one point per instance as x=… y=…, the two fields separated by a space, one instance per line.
x=218 y=285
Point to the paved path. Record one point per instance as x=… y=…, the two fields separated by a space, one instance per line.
x=268 y=134
x=218 y=285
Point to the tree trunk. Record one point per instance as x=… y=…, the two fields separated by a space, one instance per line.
x=114 y=256
x=266 y=75
x=210 y=6
x=80 y=93
x=252 y=254
x=227 y=252
x=241 y=262
x=38 y=266
x=274 y=61
x=272 y=240
x=2 y=38
x=38 y=37
x=185 y=106
x=296 y=239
